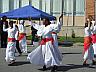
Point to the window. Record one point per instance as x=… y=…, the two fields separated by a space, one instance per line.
x=5 y=5
x=0 y=6
x=80 y=7
x=57 y=6
x=68 y=7
x=11 y=4
x=76 y=6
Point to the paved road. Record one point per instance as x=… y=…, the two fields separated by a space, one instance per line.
x=72 y=62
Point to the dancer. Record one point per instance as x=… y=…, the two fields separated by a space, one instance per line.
x=54 y=35
x=88 y=49
x=45 y=54
x=11 y=45
x=94 y=36
x=22 y=37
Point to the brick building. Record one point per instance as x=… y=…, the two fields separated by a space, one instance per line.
x=90 y=8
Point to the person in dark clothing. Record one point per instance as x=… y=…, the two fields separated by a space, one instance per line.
x=34 y=31
x=17 y=41
x=4 y=35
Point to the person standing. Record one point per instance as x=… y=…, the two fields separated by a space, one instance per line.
x=54 y=35
x=22 y=37
x=45 y=54
x=11 y=45
x=33 y=31
x=17 y=41
x=88 y=49
x=94 y=36
x=4 y=35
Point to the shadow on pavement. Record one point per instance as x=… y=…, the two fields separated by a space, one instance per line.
x=68 y=67
x=18 y=63
x=71 y=53
x=72 y=66
x=29 y=51
x=65 y=43
x=41 y=69
x=21 y=55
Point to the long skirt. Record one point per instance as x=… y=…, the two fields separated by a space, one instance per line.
x=88 y=49
x=94 y=47
x=10 y=51
x=94 y=42
x=23 y=44
x=44 y=55
x=59 y=55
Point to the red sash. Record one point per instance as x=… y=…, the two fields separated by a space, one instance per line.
x=11 y=40
x=94 y=38
x=44 y=40
x=21 y=36
x=54 y=33
x=87 y=42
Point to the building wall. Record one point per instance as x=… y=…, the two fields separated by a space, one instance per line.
x=78 y=30
x=90 y=4
x=68 y=27
x=78 y=21
x=95 y=10
x=73 y=10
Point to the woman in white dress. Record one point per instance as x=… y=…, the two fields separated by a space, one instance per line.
x=11 y=45
x=88 y=49
x=45 y=54
x=94 y=36
x=54 y=35
x=22 y=37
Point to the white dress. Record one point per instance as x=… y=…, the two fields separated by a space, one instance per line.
x=54 y=35
x=94 y=43
x=11 y=45
x=22 y=41
x=88 y=53
x=45 y=54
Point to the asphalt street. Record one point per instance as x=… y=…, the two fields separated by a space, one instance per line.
x=72 y=61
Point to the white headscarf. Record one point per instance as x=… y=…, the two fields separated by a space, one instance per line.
x=21 y=21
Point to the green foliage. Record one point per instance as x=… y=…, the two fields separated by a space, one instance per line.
x=74 y=40
x=30 y=38
x=63 y=38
